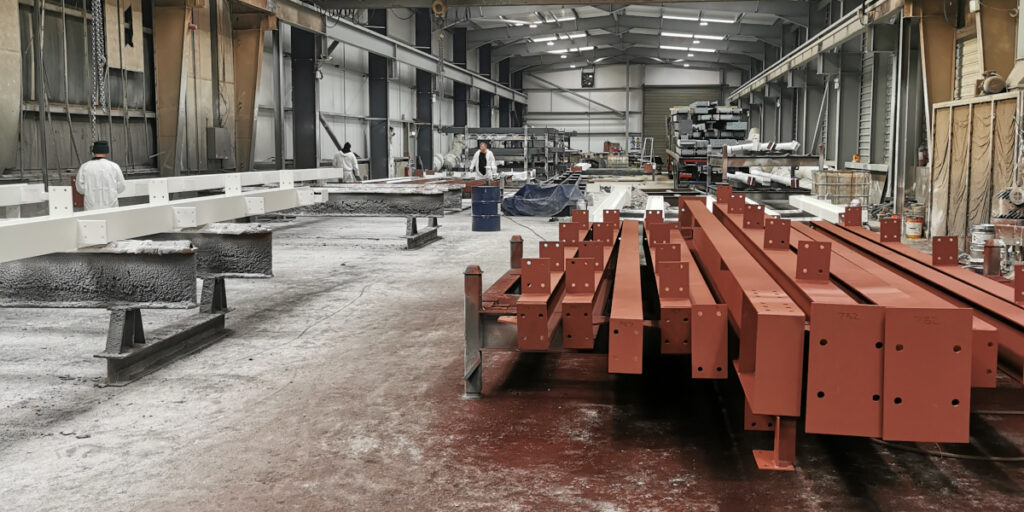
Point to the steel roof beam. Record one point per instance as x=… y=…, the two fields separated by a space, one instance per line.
x=766 y=33
x=753 y=50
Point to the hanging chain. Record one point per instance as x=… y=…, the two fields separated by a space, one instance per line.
x=99 y=65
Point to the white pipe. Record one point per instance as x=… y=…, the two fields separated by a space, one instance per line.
x=764 y=146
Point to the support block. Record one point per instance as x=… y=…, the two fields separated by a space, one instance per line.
x=230 y=250
x=722 y=193
x=122 y=275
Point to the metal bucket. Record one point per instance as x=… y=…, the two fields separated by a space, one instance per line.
x=980 y=234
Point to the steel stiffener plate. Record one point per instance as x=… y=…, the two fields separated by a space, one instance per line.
x=710 y=341
x=812 y=260
x=776 y=233
x=945 y=250
x=753 y=216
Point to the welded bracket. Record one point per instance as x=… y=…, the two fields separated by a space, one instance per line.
x=812 y=260
x=580 y=216
x=723 y=193
x=945 y=250
x=611 y=217
x=654 y=217
x=753 y=216
x=685 y=216
x=889 y=229
x=1018 y=284
x=554 y=253
x=606 y=232
x=776 y=234
x=736 y=202
x=674 y=278
x=852 y=217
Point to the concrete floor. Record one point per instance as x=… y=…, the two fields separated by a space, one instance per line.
x=340 y=390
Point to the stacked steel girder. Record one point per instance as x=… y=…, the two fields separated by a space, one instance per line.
x=845 y=329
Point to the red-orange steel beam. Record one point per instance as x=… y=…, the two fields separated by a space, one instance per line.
x=626 y=324
x=994 y=305
x=1006 y=318
x=770 y=327
x=927 y=349
x=844 y=367
x=588 y=283
x=539 y=308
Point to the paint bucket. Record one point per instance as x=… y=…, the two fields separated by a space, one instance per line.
x=914 y=227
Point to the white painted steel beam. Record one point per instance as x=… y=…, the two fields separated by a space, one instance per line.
x=26 y=193
x=25 y=238
x=818 y=207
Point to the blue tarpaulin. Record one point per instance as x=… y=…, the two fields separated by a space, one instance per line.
x=541 y=200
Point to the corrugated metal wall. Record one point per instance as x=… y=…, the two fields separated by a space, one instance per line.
x=968 y=68
x=68 y=134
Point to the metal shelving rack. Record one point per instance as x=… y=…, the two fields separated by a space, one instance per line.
x=547 y=147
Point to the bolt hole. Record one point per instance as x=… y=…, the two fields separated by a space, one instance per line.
x=897 y=400
x=821 y=394
x=718 y=369
x=616 y=331
x=990 y=343
x=956 y=402
x=700 y=368
x=878 y=344
x=823 y=342
x=957 y=348
x=875 y=398
x=899 y=347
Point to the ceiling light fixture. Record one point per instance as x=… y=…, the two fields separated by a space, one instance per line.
x=573 y=66
x=564 y=56
x=713 y=38
x=689 y=55
x=681 y=18
x=551 y=43
x=667 y=47
x=703 y=23
x=543 y=39
x=686 y=65
x=585 y=48
x=533 y=25
x=677 y=34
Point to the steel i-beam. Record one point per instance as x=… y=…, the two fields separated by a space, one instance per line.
x=626 y=324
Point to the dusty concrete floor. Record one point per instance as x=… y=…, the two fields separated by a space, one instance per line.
x=340 y=390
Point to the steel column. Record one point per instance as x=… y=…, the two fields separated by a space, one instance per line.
x=380 y=147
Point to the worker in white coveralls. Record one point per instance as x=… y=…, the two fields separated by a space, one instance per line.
x=346 y=161
x=99 y=179
x=483 y=162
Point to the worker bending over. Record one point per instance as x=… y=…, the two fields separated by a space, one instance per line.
x=99 y=179
x=346 y=160
x=483 y=162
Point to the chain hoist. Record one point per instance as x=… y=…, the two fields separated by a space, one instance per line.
x=99 y=65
